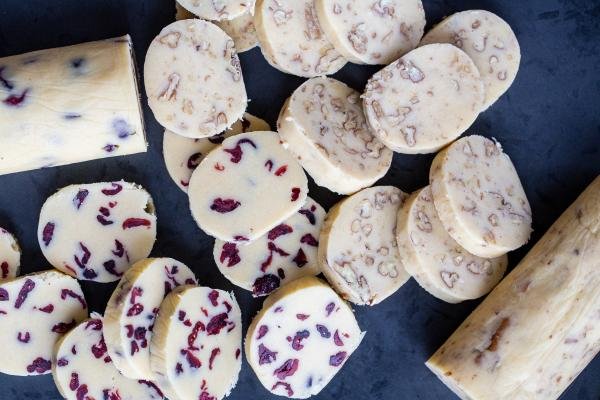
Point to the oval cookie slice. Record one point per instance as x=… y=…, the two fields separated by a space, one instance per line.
x=96 y=231
x=196 y=344
x=301 y=338
x=241 y=29
x=84 y=370
x=291 y=38
x=10 y=256
x=194 y=80
x=479 y=197
x=424 y=100
x=489 y=41
x=131 y=310
x=35 y=311
x=218 y=10
x=372 y=31
x=324 y=126
x=246 y=187
x=435 y=260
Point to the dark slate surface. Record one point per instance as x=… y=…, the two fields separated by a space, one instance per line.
x=549 y=123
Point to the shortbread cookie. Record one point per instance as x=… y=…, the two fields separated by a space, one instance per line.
x=218 y=10
x=10 y=256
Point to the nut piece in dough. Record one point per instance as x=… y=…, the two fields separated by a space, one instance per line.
x=358 y=252
x=479 y=197
x=218 y=10
x=324 y=126
x=241 y=29
x=424 y=100
x=10 y=256
x=372 y=31
x=489 y=41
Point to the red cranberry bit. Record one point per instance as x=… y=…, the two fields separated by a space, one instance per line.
x=194 y=160
x=119 y=249
x=262 y=331
x=4 y=269
x=300 y=260
x=237 y=152
x=269 y=165
x=265 y=356
x=337 y=359
x=302 y=317
x=206 y=396
x=181 y=315
x=23 y=338
x=198 y=327
x=192 y=359
x=47 y=309
x=108 y=395
x=217 y=139
x=14 y=100
x=219 y=167
x=278 y=309
x=136 y=292
x=216 y=323
x=74 y=383
x=329 y=308
x=116 y=188
x=224 y=205
x=64 y=327
x=28 y=286
x=323 y=331
x=68 y=292
x=178 y=368
x=265 y=285
x=130 y=330
x=109 y=148
x=336 y=339
x=288 y=368
x=281 y=273
x=140 y=333
x=279 y=230
x=213 y=354
x=82 y=391
x=134 y=347
x=73 y=350
x=213 y=296
x=3 y=294
x=281 y=170
x=136 y=309
x=80 y=197
x=309 y=240
x=286 y=386
x=82 y=262
x=297 y=341
x=39 y=366
x=240 y=238
x=98 y=350
x=89 y=274
x=231 y=253
x=62 y=362
x=237 y=354
x=95 y=324
x=47 y=233
x=309 y=215
x=152 y=386
x=135 y=222
x=111 y=267
x=295 y=193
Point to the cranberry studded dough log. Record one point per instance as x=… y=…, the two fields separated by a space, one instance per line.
x=10 y=256
x=540 y=327
x=70 y=104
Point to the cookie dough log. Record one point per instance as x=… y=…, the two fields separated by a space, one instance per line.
x=182 y=155
x=218 y=10
x=10 y=256
x=540 y=326
x=242 y=30
x=372 y=31
x=196 y=346
x=435 y=260
x=291 y=38
x=35 y=311
x=82 y=368
x=301 y=338
x=479 y=197
x=424 y=100
x=96 y=231
x=246 y=187
x=287 y=252
x=324 y=127
x=70 y=104
x=132 y=308
x=194 y=79
x=489 y=41
x=358 y=252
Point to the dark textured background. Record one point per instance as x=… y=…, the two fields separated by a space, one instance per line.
x=549 y=123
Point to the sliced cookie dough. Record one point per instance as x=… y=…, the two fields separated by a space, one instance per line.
x=286 y=252
x=218 y=10
x=424 y=100
x=197 y=343
x=358 y=253
x=35 y=311
x=324 y=127
x=193 y=79
x=182 y=155
x=372 y=31
x=10 y=256
x=435 y=260
x=242 y=30
x=246 y=187
x=489 y=41
x=301 y=338
x=96 y=231
x=479 y=197
x=291 y=38
x=132 y=308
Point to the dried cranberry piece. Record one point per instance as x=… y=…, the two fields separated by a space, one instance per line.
x=95 y=324
x=4 y=295
x=286 y=386
x=217 y=139
x=237 y=354
x=134 y=347
x=116 y=188
x=302 y=317
x=198 y=327
x=119 y=249
x=47 y=233
x=15 y=100
x=136 y=309
x=218 y=167
x=74 y=383
x=109 y=148
x=337 y=359
x=265 y=284
x=98 y=350
x=140 y=333
x=309 y=240
x=231 y=253
x=23 y=338
x=27 y=287
x=80 y=197
x=181 y=315
x=81 y=262
x=336 y=339
x=194 y=160
x=216 y=323
x=192 y=359
x=103 y=220
x=300 y=259
x=64 y=327
x=39 y=366
x=111 y=267
x=68 y=292
x=281 y=273
x=62 y=362
x=109 y=395
x=237 y=152
x=152 y=386
x=329 y=308
x=81 y=392
x=297 y=341
x=206 y=396
x=281 y=170
x=309 y=215
x=279 y=230
x=265 y=356
x=295 y=193
x=224 y=205
x=213 y=296
x=323 y=331
x=4 y=269
x=136 y=292
x=213 y=354
x=135 y=222
x=130 y=330
x=178 y=368
x=89 y=274
x=48 y=309
x=288 y=368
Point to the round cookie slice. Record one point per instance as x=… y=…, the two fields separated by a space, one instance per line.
x=424 y=100
x=193 y=79
x=35 y=311
x=241 y=29
x=82 y=368
x=218 y=10
x=96 y=231
x=132 y=308
x=489 y=41
x=182 y=155
x=246 y=187
x=197 y=343
x=479 y=197
x=435 y=260
x=287 y=252
x=372 y=32
x=358 y=252
x=324 y=126
x=291 y=38
x=301 y=338
x=10 y=256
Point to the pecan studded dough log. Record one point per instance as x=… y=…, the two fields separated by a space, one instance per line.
x=66 y=105
x=10 y=256
x=540 y=326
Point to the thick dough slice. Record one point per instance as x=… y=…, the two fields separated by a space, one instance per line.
x=358 y=252
x=10 y=256
x=194 y=79
x=241 y=29
x=301 y=338
x=287 y=252
x=182 y=155
x=435 y=260
x=218 y=10
x=425 y=100
x=372 y=31
x=246 y=187
x=96 y=231
x=131 y=310
x=291 y=38
x=82 y=368
x=197 y=343
x=479 y=197
x=324 y=127
x=489 y=41
x=35 y=311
